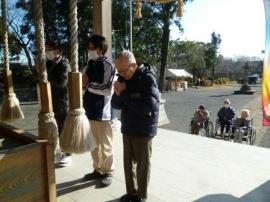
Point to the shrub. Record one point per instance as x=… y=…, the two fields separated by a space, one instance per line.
x=206 y=82
x=30 y=77
x=222 y=80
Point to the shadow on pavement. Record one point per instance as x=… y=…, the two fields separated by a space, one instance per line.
x=29 y=103
x=260 y=194
x=225 y=95
x=74 y=185
x=114 y=200
x=31 y=129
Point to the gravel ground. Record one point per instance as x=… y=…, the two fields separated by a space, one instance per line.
x=180 y=107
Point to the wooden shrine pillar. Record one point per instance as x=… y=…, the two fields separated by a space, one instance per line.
x=102 y=21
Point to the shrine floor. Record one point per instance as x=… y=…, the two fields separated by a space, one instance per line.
x=184 y=168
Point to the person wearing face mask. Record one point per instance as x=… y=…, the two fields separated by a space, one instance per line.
x=241 y=126
x=225 y=116
x=57 y=70
x=98 y=81
x=136 y=94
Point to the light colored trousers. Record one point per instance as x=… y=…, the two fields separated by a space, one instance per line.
x=239 y=133
x=102 y=155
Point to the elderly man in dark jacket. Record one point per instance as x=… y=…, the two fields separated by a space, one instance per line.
x=225 y=116
x=137 y=95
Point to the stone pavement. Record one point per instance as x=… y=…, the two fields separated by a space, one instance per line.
x=184 y=168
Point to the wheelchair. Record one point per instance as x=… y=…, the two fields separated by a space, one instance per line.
x=218 y=132
x=206 y=129
x=249 y=136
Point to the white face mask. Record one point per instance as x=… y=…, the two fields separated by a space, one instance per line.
x=92 y=55
x=51 y=55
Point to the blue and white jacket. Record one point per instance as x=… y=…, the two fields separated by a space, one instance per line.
x=99 y=89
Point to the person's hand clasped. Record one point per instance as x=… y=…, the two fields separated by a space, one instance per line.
x=119 y=87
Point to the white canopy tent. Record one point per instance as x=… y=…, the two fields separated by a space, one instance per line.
x=176 y=79
x=174 y=73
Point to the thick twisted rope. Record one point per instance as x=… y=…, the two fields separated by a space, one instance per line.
x=73 y=35
x=4 y=22
x=41 y=63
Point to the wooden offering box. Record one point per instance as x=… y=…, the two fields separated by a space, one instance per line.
x=26 y=167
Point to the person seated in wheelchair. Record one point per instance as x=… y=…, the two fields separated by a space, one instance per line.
x=241 y=126
x=225 y=117
x=201 y=116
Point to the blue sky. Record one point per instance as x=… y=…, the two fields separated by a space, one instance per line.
x=241 y=24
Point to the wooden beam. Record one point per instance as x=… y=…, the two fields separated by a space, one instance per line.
x=102 y=21
x=7 y=75
x=45 y=97
x=75 y=90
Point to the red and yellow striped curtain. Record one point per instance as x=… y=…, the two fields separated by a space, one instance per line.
x=266 y=69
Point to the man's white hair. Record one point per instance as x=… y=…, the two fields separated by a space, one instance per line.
x=128 y=55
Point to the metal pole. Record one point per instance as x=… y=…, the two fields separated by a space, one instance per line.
x=130 y=21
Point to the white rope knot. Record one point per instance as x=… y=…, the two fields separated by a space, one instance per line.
x=46 y=117
x=76 y=112
x=11 y=95
x=48 y=129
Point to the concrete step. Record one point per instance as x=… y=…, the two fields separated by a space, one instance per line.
x=184 y=168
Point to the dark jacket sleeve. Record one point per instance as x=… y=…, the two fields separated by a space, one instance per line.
x=109 y=73
x=220 y=114
x=232 y=113
x=149 y=100
x=60 y=77
x=248 y=123
x=237 y=122
x=116 y=102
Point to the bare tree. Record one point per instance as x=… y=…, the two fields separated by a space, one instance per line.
x=21 y=39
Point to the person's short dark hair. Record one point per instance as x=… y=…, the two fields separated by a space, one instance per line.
x=100 y=42
x=202 y=107
x=53 y=45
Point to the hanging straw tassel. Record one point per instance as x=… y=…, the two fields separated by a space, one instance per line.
x=138 y=11
x=10 y=110
x=47 y=126
x=76 y=136
x=180 y=8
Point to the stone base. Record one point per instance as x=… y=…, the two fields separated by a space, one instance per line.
x=163 y=118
